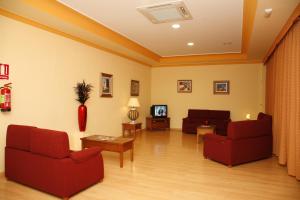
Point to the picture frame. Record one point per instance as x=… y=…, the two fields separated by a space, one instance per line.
x=134 y=88
x=184 y=86
x=221 y=87
x=106 y=85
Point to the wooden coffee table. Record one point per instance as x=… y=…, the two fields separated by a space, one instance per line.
x=108 y=143
x=203 y=129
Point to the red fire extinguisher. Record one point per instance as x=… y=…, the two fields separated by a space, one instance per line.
x=5 y=98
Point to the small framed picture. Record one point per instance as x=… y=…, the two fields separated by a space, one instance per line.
x=184 y=86
x=134 y=88
x=221 y=87
x=106 y=81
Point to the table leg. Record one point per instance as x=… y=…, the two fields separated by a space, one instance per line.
x=123 y=131
x=131 y=153
x=121 y=159
x=197 y=138
x=134 y=133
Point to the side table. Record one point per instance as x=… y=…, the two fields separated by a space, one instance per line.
x=203 y=129
x=131 y=128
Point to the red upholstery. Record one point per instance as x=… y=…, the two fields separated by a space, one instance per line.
x=246 y=141
x=197 y=117
x=85 y=154
x=22 y=133
x=57 y=172
x=246 y=129
x=57 y=145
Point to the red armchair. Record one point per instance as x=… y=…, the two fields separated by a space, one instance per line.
x=41 y=159
x=245 y=141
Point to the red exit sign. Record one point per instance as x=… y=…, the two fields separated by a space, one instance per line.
x=4 y=71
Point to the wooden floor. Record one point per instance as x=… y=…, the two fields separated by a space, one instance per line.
x=170 y=165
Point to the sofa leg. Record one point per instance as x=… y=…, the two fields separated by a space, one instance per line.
x=229 y=166
x=65 y=198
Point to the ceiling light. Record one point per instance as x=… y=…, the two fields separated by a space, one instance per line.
x=190 y=44
x=268 y=12
x=176 y=26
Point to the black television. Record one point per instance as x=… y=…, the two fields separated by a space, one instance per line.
x=159 y=111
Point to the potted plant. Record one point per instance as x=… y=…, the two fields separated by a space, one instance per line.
x=83 y=94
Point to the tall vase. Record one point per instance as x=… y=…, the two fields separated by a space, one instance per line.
x=82 y=116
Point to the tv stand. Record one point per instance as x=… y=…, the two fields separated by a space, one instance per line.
x=157 y=123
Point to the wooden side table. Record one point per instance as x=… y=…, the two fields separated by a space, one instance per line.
x=131 y=128
x=203 y=129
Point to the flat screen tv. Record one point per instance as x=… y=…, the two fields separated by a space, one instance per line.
x=159 y=111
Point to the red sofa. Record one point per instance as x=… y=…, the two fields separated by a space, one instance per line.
x=245 y=141
x=41 y=159
x=196 y=117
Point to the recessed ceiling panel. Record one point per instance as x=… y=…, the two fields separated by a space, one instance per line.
x=215 y=27
x=166 y=12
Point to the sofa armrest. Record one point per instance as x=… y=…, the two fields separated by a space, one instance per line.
x=80 y=156
x=185 y=119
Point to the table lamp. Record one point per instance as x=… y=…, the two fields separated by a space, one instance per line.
x=133 y=114
x=248 y=116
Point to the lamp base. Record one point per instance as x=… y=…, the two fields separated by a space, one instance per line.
x=133 y=115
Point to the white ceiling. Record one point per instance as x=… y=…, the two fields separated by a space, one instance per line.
x=214 y=23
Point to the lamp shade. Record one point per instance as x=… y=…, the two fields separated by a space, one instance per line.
x=248 y=116
x=133 y=102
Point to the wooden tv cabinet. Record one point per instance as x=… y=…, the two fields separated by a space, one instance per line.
x=157 y=123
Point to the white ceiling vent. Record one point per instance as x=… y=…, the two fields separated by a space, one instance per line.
x=166 y=12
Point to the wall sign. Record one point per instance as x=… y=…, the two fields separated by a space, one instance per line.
x=4 y=71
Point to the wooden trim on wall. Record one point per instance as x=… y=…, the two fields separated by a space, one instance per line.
x=292 y=19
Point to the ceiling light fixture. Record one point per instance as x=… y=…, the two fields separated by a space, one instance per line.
x=268 y=12
x=166 y=12
x=176 y=26
x=190 y=44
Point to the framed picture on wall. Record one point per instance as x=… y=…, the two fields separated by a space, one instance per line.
x=106 y=85
x=134 y=88
x=184 y=86
x=221 y=87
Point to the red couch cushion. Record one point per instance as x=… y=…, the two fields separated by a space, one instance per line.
x=196 y=113
x=18 y=137
x=248 y=129
x=50 y=143
x=219 y=114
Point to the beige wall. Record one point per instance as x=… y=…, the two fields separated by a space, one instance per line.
x=246 y=90
x=45 y=67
